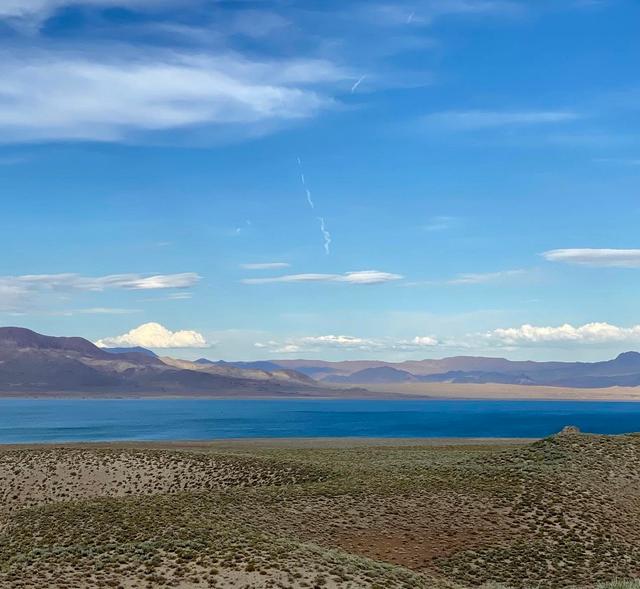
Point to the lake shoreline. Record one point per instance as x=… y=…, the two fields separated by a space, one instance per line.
x=405 y=391
x=275 y=443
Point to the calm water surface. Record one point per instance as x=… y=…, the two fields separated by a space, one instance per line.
x=36 y=420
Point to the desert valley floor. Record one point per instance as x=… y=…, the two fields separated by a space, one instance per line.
x=560 y=512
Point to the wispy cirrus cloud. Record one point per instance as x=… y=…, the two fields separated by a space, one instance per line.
x=204 y=77
x=18 y=292
x=475 y=120
x=621 y=258
x=56 y=96
x=100 y=283
x=441 y=223
x=621 y=161
x=266 y=266
x=471 y=278
x=40 y=10
x=485 y=277
x=425 y=12
x=94 y=311
x=13 y=160
x=359 y=277
x=155 y=335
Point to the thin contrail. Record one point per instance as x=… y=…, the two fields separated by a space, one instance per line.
x=410 y=19
x=326 y=236
x=304 y=185
x=358 y=82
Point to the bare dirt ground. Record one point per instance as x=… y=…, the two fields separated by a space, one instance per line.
x=446 y=390
x=558 y=512
x=436 y=390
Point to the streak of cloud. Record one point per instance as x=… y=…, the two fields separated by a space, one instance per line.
x=265 y=266
x=358 y=277
x=485 y=277
x=20 y=293
x=213 y=91
x=357 y=83
x=304 y=185
x=620 y=258
x=326 y=236
x=477 y=120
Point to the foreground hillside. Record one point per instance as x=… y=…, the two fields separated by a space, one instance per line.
x=564 y=511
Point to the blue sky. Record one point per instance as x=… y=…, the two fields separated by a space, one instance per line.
x=472 y=172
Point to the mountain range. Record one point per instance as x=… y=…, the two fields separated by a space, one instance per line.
x=624 y=370
x=34 y=363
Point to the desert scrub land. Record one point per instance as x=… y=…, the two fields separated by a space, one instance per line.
x=560 y=512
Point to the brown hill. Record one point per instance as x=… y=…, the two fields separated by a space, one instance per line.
x=624 y=370
x=31 y=362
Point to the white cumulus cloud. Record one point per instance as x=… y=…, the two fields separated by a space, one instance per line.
x=154 y=335
x=589 y=333
x=622 y=258
x=424 y=341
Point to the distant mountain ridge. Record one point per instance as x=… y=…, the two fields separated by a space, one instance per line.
x=257 y=365
x=624 y=370
x=136 y=349
x=31 y=362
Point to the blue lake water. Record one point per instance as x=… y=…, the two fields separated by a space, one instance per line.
x=36 y=420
